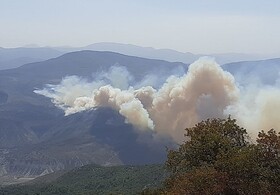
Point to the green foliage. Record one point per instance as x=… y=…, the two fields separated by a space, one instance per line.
x=268 y=148
x=218 y=159
x=202 y=180
x=208 y=140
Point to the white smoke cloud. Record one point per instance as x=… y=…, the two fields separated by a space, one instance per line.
x=205 y=91
x=117 y=76
x=70 y=88
x=257 y=109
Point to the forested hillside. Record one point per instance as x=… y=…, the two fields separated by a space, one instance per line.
x=94 y=179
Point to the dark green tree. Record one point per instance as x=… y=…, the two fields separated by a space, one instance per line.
x=217 y=158
x=268 y=148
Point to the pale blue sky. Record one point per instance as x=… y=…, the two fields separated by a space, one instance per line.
x=199 y=26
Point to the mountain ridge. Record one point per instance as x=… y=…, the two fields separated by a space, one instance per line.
x=47 y=140
x=171 y=55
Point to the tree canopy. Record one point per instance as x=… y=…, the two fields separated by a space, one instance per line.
x=217 y=158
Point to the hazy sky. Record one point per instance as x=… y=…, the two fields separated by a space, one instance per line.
x=199 y=26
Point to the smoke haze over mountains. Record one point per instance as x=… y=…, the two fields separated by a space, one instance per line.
x=168 y=107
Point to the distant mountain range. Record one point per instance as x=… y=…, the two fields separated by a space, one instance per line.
x=171 y=55
x=15 y=57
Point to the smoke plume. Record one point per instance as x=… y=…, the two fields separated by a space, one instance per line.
x=204 y=91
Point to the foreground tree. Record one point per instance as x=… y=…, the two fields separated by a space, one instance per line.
x=268 y=145
x=218 y=159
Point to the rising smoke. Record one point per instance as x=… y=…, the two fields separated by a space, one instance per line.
x=205 y=91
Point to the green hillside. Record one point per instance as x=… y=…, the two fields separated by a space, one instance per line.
x=93 y=179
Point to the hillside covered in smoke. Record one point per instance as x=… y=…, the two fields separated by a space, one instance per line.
x=111 y=109
x=167 y=107
x=35 y=136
